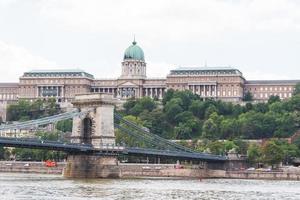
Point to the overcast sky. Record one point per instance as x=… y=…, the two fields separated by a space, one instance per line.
x=259 y=37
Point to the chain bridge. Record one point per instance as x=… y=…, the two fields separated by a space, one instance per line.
x=92 y=151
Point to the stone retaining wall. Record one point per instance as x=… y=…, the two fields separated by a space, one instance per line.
x=157 y=170
x=30 y=167
x=262 y=175
x=153 y=170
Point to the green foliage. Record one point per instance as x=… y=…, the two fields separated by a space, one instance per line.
x=128 y=140
x=272 y=153
x=4 y=153
x=297 y=89
x=229 y=128
x=216 y=147
x=198 y=108
x=25 y=110
x=37 y=154
x=242 y=146
x=65 y=125
x=183 y=115
x=230 y=145
x=210 y=130
x=254 y=154
x=136 y=107
x=40 y=154
x=211 y=127
x=168 y=96
x=272 y=99
x=248 y=96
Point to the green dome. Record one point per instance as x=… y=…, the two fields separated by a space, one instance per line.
x=134 y=52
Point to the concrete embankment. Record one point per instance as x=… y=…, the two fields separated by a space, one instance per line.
x=30 y=167
x=160 y=170
x=153 y=170
x=263 y=175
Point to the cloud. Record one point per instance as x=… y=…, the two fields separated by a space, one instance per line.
x=15 y=60
x=173 y=18
x=248 y=34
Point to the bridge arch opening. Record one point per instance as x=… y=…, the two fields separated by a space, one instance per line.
x=87 y=130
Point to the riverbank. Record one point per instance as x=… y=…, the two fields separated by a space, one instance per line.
x=30 y=167
x=133 y=170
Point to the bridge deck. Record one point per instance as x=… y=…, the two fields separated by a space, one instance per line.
x=109 y=150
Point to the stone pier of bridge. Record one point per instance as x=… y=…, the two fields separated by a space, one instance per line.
x=95 y=127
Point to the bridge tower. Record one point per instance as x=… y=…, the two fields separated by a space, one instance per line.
x=95 y=127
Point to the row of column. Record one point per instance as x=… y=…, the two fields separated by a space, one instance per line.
x=8 y=96
x=154 y=92
x=204 y=90
x=104 y=90
x=50 y=91
x=129 y=92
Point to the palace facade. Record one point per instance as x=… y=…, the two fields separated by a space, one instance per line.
x=223 y=83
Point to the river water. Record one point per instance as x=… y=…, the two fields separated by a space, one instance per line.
x=46 y=187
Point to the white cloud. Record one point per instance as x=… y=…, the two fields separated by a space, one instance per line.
x=173 y=18
x=263 y=75
x=158 y=69
x=254 y=34
x=15 y=60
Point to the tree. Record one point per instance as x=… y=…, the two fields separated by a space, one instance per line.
x=229 y=128
x=285 y=125
x=147 y=103
x=4 y=153
x=123 y=137
x=272 y=153
x=183 y=132
x=216 y=147
x=168 y=96
x=256 y=125
x=156 y=122
x=198 y=108
x=210 y=130
x=25 y=110
x=230 y=145
x=248 y=96
x=184 y=116
x=290 y=151
x=272 y=99
x=260 y=107
x=254 y=154
x=128 y=105
x=186 y=97
x=211 y=109
x=188 y=129
x=297 y=89
x=172 y=109
x=242 y=146
x=65 y=125
x=40 y=154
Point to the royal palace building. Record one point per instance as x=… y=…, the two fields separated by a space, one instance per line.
x=222 y=83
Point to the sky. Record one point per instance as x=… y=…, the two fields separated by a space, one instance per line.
x=261 y=38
